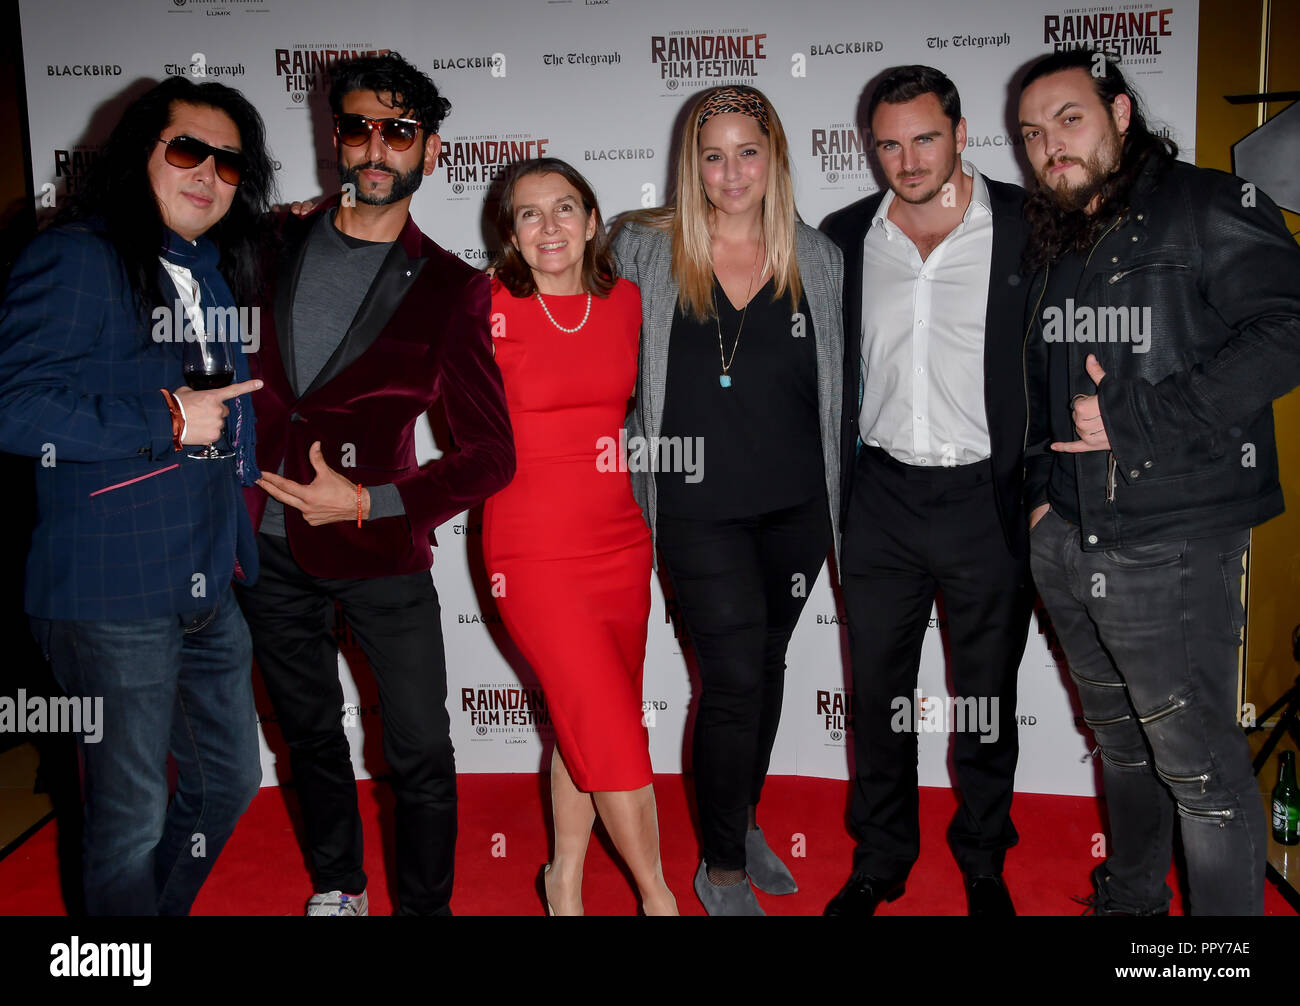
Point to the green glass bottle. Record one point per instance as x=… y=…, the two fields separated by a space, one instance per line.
x=1286 y=802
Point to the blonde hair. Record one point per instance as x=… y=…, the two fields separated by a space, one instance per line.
x=688 y=217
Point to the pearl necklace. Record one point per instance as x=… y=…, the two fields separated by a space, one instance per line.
x=585 y=315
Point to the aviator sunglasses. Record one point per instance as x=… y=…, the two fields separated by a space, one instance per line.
x=187 y=152
x=354 y=130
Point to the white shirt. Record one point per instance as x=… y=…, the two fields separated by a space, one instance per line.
x=923 y=338
x=187 y=288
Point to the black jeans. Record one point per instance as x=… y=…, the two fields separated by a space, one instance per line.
x=741 y=584
x=396 y=619
x=912 y=532
x=1151 y=634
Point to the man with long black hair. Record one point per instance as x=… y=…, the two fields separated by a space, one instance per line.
x=372 y=325
x=1166 y=319
x=136 y=541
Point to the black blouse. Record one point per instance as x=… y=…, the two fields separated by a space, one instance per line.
x=755 y=445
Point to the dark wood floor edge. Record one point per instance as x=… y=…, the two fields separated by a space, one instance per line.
x=12 y=846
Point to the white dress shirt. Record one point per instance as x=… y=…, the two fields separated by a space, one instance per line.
x=187 y=289
x=923 y=338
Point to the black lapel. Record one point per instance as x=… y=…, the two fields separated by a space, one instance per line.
x=288 y=272
x=853 y=281
x=390 y=284
x=1004 y=313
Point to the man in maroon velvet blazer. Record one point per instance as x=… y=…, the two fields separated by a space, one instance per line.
x=371 y=324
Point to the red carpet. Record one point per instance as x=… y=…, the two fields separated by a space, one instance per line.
x=503 y=844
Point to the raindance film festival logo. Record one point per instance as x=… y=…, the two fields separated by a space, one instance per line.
x=708 y=57
x=72 y=165
x=841 y=156
x=304 y=66
x=473 y=163
x=833 y=714
x=1133 y=35
x=508 y=711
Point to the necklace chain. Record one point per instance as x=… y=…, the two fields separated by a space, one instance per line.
x=724 y=378
x=585 y=315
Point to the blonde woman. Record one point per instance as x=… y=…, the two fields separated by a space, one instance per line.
x=742 y=359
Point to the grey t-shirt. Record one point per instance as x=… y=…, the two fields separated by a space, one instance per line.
x=337 y=271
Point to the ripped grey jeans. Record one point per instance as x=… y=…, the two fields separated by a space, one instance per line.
x=1151 y=634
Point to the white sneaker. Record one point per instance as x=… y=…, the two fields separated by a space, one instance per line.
x=338 y=903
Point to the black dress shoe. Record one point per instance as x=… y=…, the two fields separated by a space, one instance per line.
x=862 y=894
x=987 y=895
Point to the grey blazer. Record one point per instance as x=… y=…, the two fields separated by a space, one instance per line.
x=644 y=256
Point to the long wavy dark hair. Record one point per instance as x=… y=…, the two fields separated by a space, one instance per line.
x=118 y=193
x=598 y=272
x=1055 y=230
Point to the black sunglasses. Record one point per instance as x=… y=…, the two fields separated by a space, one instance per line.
x=354 y=130
x=187 y=152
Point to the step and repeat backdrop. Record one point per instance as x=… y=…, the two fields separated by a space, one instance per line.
x=603 y=84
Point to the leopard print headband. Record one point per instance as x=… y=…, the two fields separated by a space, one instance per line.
x=744 y=100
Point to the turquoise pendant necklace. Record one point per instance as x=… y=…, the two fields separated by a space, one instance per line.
x=724 y=379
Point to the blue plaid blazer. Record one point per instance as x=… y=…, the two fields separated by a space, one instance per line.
x=126 y=527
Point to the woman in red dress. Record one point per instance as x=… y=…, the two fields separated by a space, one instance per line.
x=565 y=544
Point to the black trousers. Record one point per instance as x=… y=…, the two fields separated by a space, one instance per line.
x=396 y=619
x=741 y=584
x=909 y=533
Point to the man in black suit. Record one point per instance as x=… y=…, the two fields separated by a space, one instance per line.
x=931 y=497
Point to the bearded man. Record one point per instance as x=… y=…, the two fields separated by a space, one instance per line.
x=1166 y=320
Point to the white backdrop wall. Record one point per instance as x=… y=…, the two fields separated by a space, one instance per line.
x=601 y=83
